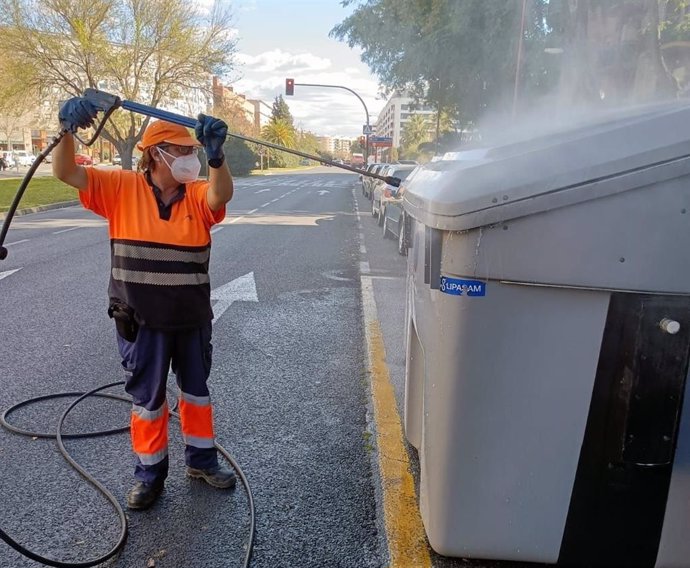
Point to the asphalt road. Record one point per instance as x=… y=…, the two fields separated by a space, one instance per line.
x=288 y=384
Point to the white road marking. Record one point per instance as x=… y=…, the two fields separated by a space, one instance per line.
x=8 y=273
x=66 y=230
x=242 y=289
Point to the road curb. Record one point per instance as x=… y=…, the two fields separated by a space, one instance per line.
x=40 y=208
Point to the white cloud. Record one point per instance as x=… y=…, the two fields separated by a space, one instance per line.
x=278 y=60
x=322 y=110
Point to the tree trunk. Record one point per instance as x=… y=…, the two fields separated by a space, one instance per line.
x=612 y=54
x=652 y=80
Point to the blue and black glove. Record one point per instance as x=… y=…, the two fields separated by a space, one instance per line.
x=211 y=132
x=77 y=113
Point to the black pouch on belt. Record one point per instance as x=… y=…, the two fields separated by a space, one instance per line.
x=125 y=323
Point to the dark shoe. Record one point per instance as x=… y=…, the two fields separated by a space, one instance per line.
x=220 y=476
x=142 y=495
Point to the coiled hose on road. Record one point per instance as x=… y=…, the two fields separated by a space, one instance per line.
x=59 y=437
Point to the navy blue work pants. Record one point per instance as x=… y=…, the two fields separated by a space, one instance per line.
x=146 y=363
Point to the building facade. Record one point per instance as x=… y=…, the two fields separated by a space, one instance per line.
x=397 y=112
x=337 y=147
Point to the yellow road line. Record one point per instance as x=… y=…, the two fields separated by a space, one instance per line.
x=407 y=542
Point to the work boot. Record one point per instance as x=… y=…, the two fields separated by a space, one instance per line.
x=142 y=495
x=220 y=476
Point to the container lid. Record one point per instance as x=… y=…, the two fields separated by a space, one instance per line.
x=607 y=155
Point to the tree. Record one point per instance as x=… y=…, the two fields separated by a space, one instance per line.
x=232 y=112
x=463 y=57
x=281 y=111
x=149 y=51
x=622 y=61
x=240 y=156
x=414 y=133
x=455 y=55
x=279 y=131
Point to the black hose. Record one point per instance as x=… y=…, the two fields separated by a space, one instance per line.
x=22 y=188
x=59 y=436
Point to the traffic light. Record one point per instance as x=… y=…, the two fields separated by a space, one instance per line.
x=362 y=141
x=289 y=86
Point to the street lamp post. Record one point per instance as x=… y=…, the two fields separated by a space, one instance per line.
x=289 y=90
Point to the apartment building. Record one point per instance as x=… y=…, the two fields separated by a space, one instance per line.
x=397 y=112
x=338 y=147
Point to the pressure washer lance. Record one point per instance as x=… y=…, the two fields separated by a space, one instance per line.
x=108 y=103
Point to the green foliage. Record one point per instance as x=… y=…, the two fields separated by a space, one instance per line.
x=457 y=55
x=281 y=111
x=415 y=132
x=41 y=191
x=241 y=158
x=466 y=58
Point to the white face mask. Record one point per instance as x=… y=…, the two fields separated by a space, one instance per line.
x=184 y=169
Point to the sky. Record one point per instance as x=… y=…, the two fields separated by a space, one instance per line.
x=277 y=39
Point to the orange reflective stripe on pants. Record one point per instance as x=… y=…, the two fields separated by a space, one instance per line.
x=149 y=430
x=197 y=422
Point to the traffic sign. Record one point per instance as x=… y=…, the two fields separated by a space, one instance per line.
x=380 y=139
x=367 y=129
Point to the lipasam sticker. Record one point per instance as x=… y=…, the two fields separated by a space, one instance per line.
x=459 y=287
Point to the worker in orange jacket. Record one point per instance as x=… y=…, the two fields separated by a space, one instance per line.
x=159 y=221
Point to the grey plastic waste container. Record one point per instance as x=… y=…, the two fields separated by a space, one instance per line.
x=548 y=335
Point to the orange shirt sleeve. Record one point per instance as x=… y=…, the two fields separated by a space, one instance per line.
x=100 y=196
x=198 y=191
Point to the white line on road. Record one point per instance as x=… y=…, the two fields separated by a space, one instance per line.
x=66 y=230
x=216 y=229
x=16 y=242
x=8 y=273
x=265 y=205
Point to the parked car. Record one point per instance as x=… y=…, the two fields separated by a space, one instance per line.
x=365 y=180
x=396 y=223
x=117 y=160
x=369 y=182
x=83 y=160
x=23 y=158
x=383 y=191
